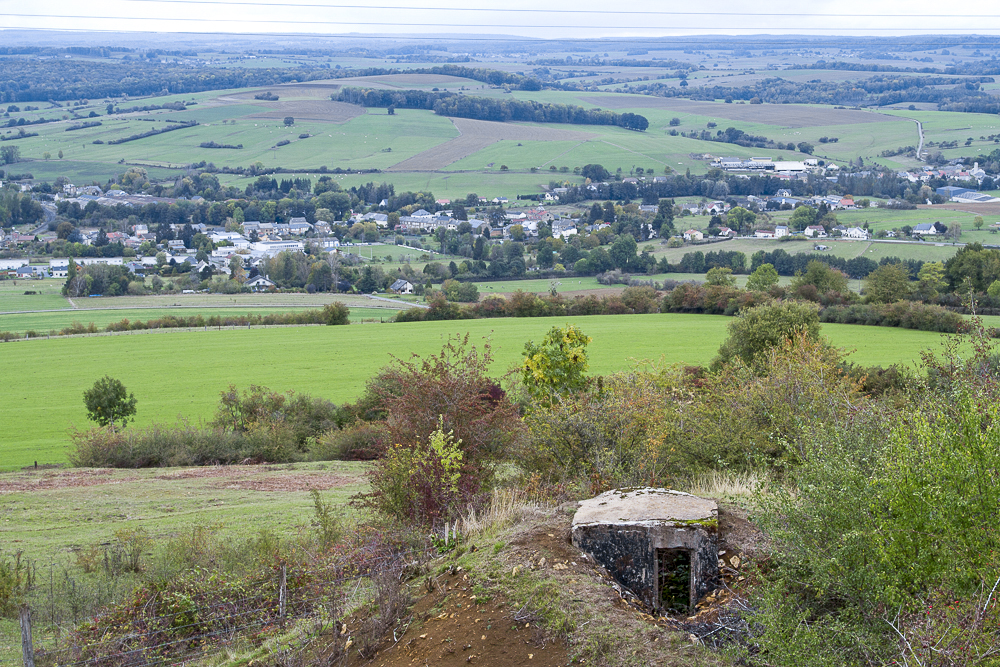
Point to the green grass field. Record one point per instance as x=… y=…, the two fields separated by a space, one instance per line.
x=72 y=511
x=13 y=298
x=47 y=524
x=43 y=323
x=180 y=374
x=377 y=140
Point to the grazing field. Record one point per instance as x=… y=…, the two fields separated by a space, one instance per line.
x=413 y=142
x=476 y=135
x=49 y=311
x=180 y=373
x=13 y=297
x=44 y=323
x=54 y=515
x=50 y=512
x=12 y=301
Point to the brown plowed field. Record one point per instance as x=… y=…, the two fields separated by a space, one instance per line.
x=315 y=110
x=477 y=135
x=782 y=115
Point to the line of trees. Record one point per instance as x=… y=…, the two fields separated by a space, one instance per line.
x=485 y=108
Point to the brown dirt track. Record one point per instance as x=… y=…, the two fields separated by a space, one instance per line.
x=477 y=135
x=782 y=115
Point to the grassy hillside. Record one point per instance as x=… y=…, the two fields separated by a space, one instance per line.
x=180 y=374
x=354 y=138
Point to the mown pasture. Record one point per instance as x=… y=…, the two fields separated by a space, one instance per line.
x=46 y=323
x=179 y=374
x=56 y=518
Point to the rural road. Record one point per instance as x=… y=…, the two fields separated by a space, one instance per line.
x=395 y=301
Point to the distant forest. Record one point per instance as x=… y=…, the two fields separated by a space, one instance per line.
x=950 y=93
x=29 y=80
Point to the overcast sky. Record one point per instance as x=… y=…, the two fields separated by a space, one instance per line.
x=559 y=18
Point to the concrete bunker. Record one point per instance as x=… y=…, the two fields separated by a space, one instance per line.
x=660 y=544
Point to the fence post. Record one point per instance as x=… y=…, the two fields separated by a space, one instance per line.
x=282 y=593
x=27 y=648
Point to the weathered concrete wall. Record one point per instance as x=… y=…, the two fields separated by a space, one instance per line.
x=626 y=553
x=623 y=530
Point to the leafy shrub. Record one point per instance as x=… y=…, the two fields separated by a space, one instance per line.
x=360 y=441
x=17 y=576
x=757 y=329
x=888 y=545
x=422 y=483
x=555 y=367
x=451 y=393
x=300 y=416
x=336 y=313
x=327 y=523
x=78 y=328
x=608 y=436
x=409 y=315
x=903 y=314
x=654 y=425
x=181 y=445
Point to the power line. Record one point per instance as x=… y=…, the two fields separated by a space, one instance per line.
x=409 y=24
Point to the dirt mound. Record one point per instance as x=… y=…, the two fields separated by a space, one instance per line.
x=452 y=627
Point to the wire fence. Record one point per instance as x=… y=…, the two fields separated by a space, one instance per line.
x=183 y=635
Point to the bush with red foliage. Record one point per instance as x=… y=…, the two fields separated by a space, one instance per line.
x=451 y=391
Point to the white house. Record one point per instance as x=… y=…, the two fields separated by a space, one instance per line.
x=815 y=231
x=693 y=235
x=726 y=231
x=925 y=229
x=259 y=284
x=780 y=230
x=764 y=233
x=856 y=233
x=402 y=287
